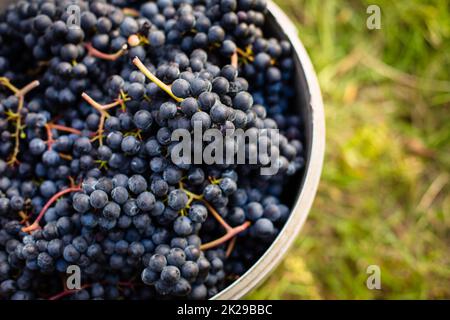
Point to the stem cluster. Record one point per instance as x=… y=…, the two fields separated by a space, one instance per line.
x=231 y=232
x=103 y=110
x=56 y=196
x=138 y=63
x=51 y=126
x=16 y=116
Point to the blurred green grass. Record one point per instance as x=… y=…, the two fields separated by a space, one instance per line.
x=384 y=195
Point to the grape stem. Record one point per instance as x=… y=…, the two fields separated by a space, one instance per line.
x=235 y=60
x=35 y=224
x=227 y=236
x=64 y=156
x=64 y=128
x=231 y=232
x=138 y=63
x=230 y=247
x=50 y=139
x=20 y=94
x=217 y=216
x=103 y=110
x=50 y=126
x=67 y=292
x=25 y=218
x=105 y=56
x=130 y=12
x=246 y=54
x=18 y=127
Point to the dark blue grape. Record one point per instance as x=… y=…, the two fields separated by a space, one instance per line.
x=146 y=201
x=181 y=88
x=98 y=199
x=177 y=199
x=137 y=184
x=183 y=226
x=198 y=213
x=119 y=194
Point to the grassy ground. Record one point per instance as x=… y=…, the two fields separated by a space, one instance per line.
x=384 y=195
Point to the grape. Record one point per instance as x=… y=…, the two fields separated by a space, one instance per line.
x=119 y=194
x=37 y=146
x=130 y=208
x=81 y=202
x=159 y=186
x=168 y=110
x=149 y=277
x=202 y=118
x=50 y=158
x=220 y=85
x=55 y=248
x=98 y=199
x=177 y=199
x=145 y=201
x=228 y=186
x=128 y=27
x=198 y=213
x=206 y=100
x=219 y=113
x=111 y=211
x=41 y=22
x=130 y=145
x=157 y=262
x=114 y=139
x=263 y=227
x=136 y=91
x=170 y=274
x=212 y=192
x=216 y=34
x=199 y=292
x=156 y=39
x=189 y=106
x=137 y=184
x=181 y=88
x=71 y=254
x=243 y=101
x=136 y=249
x=120 y=180
x=183 y=226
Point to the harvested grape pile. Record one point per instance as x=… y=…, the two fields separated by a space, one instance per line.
x=88 y=104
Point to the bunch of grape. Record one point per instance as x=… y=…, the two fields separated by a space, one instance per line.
x=90 y=94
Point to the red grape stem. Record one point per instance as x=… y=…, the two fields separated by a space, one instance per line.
x=103 y=110
x=105 y=56
x=227 y=236
x=50 y=139
x=50 y=126
x=231 y=232
x=235 y=60
x=67 y=292
x=64 y=128
x=35 y=224
x=230 y=247
x=217 y=216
